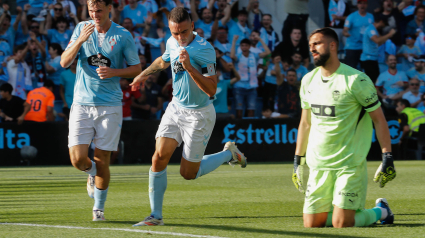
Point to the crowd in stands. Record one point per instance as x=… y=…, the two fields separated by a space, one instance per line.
x=259 y=70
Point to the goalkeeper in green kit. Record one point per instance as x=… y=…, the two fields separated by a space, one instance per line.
x=339 y=104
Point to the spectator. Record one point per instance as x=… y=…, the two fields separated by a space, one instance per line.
x=267 y=33
x=58 y=11
x=421 y=105
x=297 y=18
x=129 y=98
x=268 y=113
x=150 y=5
x=270 y=81
x=127 y=23
x=239 y=28
x=354 y=28
x=21 y=34
x=137 y=13
x=418 y=72
x=413 y=95
x=53 y=67
x=293 y=44
x=220 y=103
x=393 y=82
x=223 y=63
x=19 y=72
x=254 y=14
x=200 y=32
x=257 y=45
x=68 y=7
x=221 y=43
x=41 y=102
x=35 y=28
x=394 y=19
x=371 y=41
x=297 y=66
x=143 y=63
x=11 y=107
x=61 y=35
x=204 y=22
x=417 y=25
x=151 y=100
x=410 y=119
x=37 y=6
x=35 y=59
x=246 y=89
x=7 y=32
x=288 y=96
x=337 y=13
x=408 y=52
x=67 y=81
x=5 y=52
x=388 y=48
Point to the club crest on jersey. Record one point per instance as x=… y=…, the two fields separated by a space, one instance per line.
x=178 y=68
x=112 y=43
x=335 y=95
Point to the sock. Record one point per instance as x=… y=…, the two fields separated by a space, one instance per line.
x=367 y=217
x=92 y=171
x=211 y=162
x=329 y=220
x=380 y=215
x=99 y=198
x=157 y=187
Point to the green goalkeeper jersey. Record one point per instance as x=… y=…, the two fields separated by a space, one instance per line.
x=341 y=130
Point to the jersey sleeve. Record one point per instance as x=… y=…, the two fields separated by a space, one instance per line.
x=166 y=55
x=51 y=100
x=130 y=51
x=365 y=93
x=303 y=93
x=56 y=63
x=404 y=77
x=348 y=22
x=371 y=32
x=380 y=81
x=50 y=34
x=401 y=50
x=207 y=60
x=76 y=34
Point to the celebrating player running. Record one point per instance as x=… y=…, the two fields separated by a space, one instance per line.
x=190 y=117
x=97 y=108
x=339 y=104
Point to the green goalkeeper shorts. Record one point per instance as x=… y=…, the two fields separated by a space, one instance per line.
x=345 y=188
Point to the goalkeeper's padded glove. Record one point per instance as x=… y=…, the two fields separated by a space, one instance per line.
x=297 y=175
x=386 y=170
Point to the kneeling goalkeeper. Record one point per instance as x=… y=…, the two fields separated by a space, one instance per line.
x=334 y=137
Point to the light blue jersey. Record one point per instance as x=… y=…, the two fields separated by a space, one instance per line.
x=301 y=71
x=357 y=26
x=202 y=57
x=272 y=78
x=205 y=27
x=370 y=48
x=117 y=46
x=389 y=82
x=67 y=80
x=247 y=68
x=62 y=39
x=406 y=64
x=9 y=37
x=412 y=73
x=55 y=76
x=220 y=103
x=235 y=28
x=137 y=15
x=39 y=3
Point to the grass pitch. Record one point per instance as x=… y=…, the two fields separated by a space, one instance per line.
x=258 y=201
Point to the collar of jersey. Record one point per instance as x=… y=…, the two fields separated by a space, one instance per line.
x=331 y=77
x=196 y=35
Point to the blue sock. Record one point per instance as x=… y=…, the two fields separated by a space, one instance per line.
x=92 y=171
x=210 y=162
x=99 y=198
x=157 y=187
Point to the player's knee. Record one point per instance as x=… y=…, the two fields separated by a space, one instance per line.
x=188 y=176
x=313 y=223
x=160 y=156
x=341 y=223
x=79 y=162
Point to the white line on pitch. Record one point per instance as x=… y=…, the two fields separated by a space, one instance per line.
x=112 y=229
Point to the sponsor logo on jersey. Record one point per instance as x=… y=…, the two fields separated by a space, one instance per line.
x=372 y=98
x=98 y=60
x=323 y=110
x=335 y=95
x=178 y=67
x=348 y=194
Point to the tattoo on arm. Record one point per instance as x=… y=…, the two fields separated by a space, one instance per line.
x=156 y=67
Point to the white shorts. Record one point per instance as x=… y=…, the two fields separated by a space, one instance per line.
x=191 y=126
x=103 y=123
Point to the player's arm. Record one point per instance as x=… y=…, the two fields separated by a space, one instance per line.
x=193 y=12
x=50 y=115
x=71 y=52
x=233 y=49
x=158 y=65
x=381 y=39
x=208 y=83
x=266 y=48
x=301 y=148
x=235 y=72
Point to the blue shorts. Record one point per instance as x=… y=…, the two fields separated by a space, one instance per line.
x=243 y=95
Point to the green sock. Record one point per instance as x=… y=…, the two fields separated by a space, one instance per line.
x=367 y=217
x=362 y=218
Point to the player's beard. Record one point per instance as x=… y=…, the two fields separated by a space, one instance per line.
x=322 y=59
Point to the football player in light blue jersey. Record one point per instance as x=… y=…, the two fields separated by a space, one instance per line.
x=190 y=116
x=96 y=112
x=354 y=28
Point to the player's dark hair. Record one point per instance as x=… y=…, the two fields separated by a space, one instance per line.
x=404 y=102
x=6 y=87
x=266 y=14
x=57 y=47
x=291 y=70
x=275 y=53
x=62 y=19
x=245 y=41
x=178 y=15
x=19 y=47
x=94 y=2
x=127 y=18
x=243 y=12
x=328 y=33
x=297 y=28
x=388 y=56
x=48 y=83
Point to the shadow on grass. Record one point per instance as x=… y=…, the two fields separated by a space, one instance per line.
x=247 y=229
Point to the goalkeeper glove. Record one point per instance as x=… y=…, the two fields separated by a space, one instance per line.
x=386 y=170
x=298 y=173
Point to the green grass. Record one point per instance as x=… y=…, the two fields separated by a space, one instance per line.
x=258 y=201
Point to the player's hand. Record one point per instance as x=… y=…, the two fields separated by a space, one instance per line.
x=105 y=72
x=386 y=170
x=20 y=120
x=392 y=31
x=298 y=173
x=235 y=37
x=86 y=32
x=138 y=82
x=18 y=9
x=7 y=118
x=184 y=59
x=277 y=60
x=27 y=7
